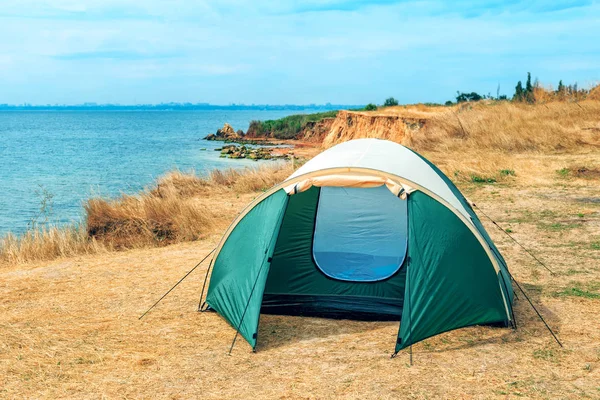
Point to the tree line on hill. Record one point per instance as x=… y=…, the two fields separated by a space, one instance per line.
x=532 y=92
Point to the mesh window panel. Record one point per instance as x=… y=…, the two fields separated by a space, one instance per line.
x=360 y=233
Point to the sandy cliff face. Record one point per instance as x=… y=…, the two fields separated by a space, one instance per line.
x=315 y=132
x=354 y=125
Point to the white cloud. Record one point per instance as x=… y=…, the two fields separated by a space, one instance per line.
x=285 y=51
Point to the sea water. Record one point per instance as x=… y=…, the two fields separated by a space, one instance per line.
x=51 y=161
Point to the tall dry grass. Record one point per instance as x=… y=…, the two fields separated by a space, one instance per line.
x=511 y=127
x=483 y=126
x=48 y=243
x=177 y=207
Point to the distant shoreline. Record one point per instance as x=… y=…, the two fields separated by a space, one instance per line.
x=176 y=107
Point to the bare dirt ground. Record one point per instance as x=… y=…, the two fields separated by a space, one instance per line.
x=69 y=328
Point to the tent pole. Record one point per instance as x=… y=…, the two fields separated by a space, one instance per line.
x=265 y=258
x=237 y=331
x=409 y=309
x=200 y=304
x=181 y=280
x=514 y=240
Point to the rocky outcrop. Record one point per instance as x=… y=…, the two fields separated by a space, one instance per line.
x=259 y=153
x=226 y=133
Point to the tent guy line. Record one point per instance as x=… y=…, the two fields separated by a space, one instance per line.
x=181 y=280
x=517 y=283
x=514 y=240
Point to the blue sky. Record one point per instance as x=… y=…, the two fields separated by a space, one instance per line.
x=227 y=51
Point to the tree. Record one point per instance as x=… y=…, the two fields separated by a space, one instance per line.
x=466 y=97
x=561 y=87
x=390 y=102
x=370 y=107
x=529 y=90
x=519 y=92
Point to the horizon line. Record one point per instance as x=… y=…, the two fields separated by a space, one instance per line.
x=176 y=104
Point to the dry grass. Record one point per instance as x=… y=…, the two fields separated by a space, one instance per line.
x=47 y=244
x=251 y=180
x=69 y=328
x=594 y=93
x=179 y=207
x=512 y=127
x=141 y=220
x=483 y=126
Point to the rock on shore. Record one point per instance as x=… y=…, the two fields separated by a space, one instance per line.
x=226 y=133
x=260 y=153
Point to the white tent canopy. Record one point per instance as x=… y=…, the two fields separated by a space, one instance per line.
x=358 y=163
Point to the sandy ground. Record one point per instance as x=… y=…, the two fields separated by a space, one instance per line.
x=70 y=329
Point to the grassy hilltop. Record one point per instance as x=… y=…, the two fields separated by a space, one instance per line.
x=71 y=297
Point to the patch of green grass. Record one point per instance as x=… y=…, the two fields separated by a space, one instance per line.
x=595 y=245
x=577 y=292
x=572 y=271
x=482 y=179
x=558 y=226
x=507 y=172
x=530 y=216
x=581 y=215
x=547 y=213
x=544 y=354
x=563 y=172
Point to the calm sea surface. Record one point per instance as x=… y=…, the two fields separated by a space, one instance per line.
x=75 y=154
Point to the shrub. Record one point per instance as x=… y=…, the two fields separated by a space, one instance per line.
x=370 y=107
x=390 y=101
x=507 y=172
x=482 y=179
x=466 y=97
x=288 y=127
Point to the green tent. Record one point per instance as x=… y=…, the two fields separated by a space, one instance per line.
x=368 y=229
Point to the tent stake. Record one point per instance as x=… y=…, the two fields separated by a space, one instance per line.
x=410 y=355
x=181 y=280
x=514 y=240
